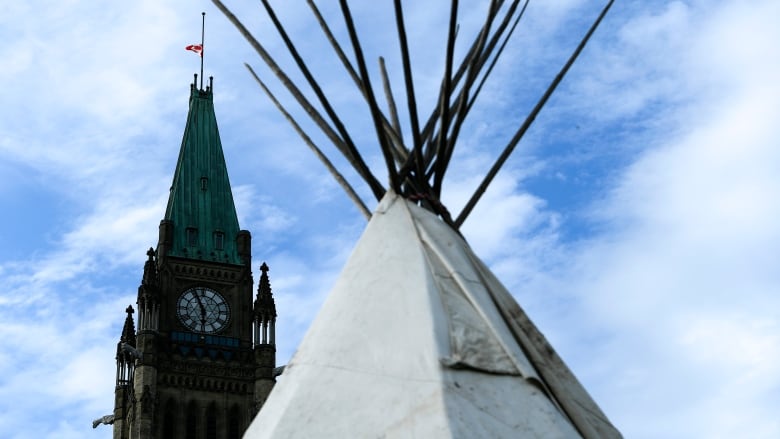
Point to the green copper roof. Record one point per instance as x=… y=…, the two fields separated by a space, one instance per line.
x=200 y=204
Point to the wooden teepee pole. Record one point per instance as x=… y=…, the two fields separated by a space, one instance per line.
x=527 y=123
x=411 y=99
x=444 y=99
x=463 y=106
x=391 y=108
x=369 y=93
x=394 y=135
x=291 y=87
x=320 y=155
x=361 y=166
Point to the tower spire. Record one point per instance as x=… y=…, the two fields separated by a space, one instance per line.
x=148 y=295
x=195 y=318
x=124 y=359
x=265 y=311
x=200 y=219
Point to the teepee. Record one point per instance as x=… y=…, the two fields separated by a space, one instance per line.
x=418 y=338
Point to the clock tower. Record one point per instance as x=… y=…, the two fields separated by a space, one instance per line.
x=201 y=361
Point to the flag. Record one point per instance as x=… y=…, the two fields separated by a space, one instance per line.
x=197 y=48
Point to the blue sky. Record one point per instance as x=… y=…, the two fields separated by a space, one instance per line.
x=636 y=223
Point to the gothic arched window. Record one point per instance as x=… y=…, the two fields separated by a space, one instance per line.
x=211 y=422
x=169 y=419
x=191 y=427
x=234 y=423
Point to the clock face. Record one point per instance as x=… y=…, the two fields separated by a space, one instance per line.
x=203 y=310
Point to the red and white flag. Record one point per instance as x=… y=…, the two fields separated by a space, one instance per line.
x=197 y=48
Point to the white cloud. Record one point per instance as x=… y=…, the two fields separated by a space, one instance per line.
x=681 y=281
x=62 y=354
x=667 y=312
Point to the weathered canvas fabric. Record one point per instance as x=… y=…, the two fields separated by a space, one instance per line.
x=412 y=342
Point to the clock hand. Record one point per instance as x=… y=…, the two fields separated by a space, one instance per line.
x=202 y=311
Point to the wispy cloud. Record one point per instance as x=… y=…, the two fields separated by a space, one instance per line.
x=657 y=287
x=680 y=282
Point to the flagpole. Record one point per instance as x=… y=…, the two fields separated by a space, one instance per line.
x=202 y=47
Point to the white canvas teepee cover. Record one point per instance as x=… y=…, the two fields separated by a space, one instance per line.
x=413 y=342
